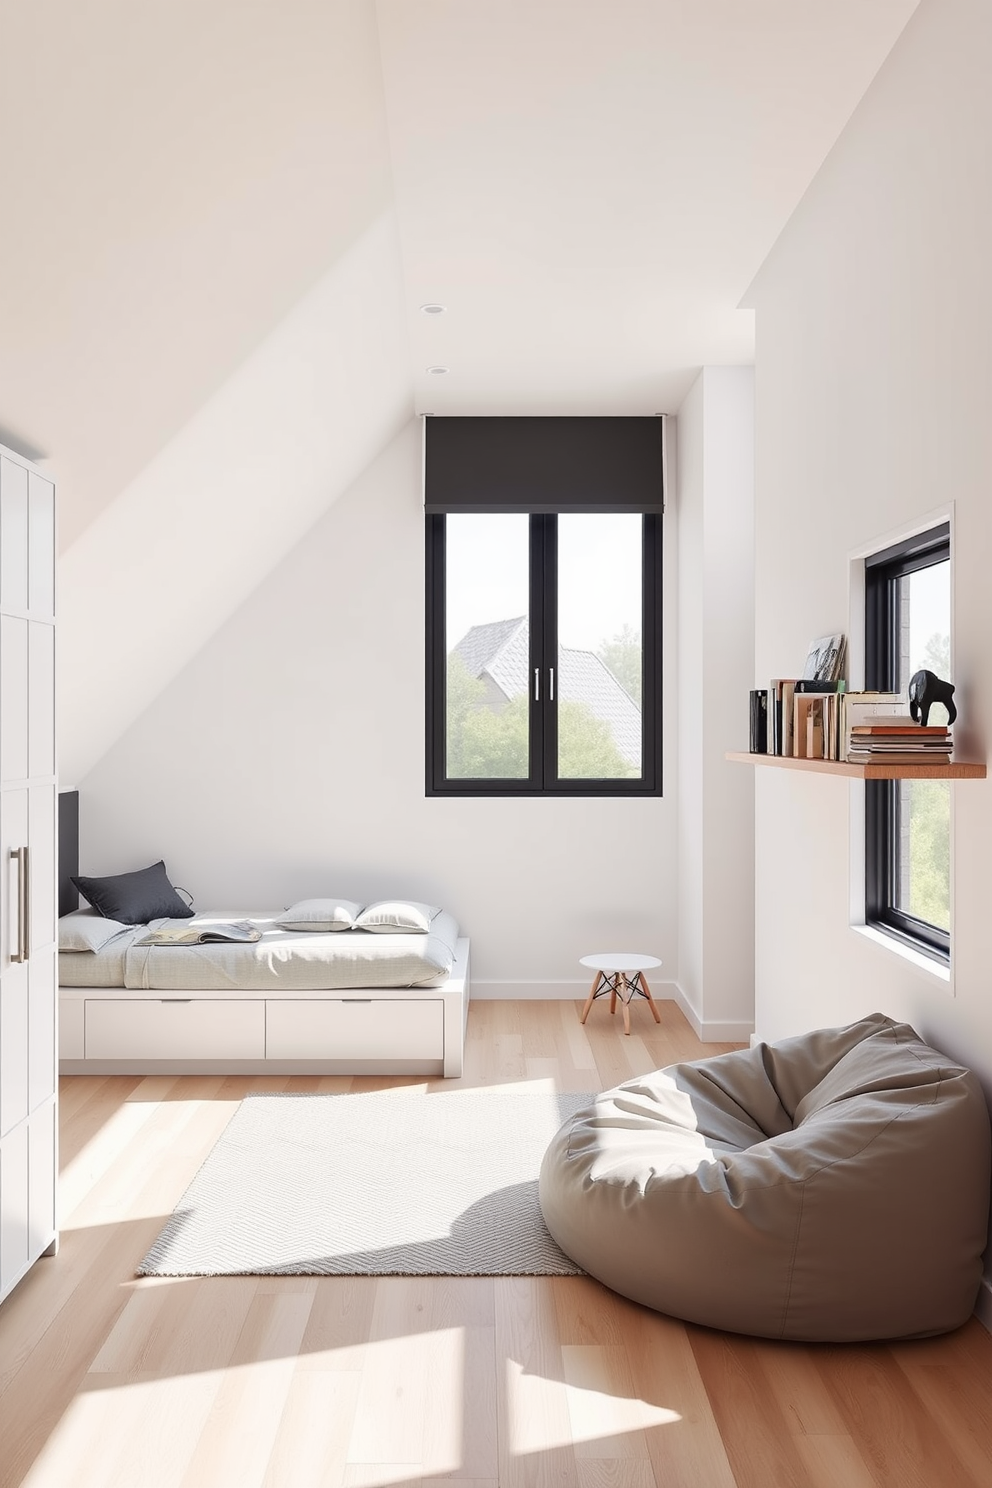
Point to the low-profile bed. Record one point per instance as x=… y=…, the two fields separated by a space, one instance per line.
x=297 y=1000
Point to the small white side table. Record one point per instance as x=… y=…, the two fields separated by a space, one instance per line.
x=621 y=973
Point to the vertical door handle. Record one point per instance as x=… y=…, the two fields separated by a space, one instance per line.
x=19 y=855
x=537 y=684
x=551 y=679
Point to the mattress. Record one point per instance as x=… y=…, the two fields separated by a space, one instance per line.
x=282 y=961
x=103 y=968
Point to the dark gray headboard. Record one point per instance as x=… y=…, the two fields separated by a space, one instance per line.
x=68 y=850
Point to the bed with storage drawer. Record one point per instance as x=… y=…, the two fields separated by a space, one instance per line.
x=329 y=986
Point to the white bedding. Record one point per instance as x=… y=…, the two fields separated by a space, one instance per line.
x=282 y=961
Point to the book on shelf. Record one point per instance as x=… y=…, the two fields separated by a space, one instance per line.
x=899 y=757
x=238 y=932
x=882 y=727
x=905 y=746
x=758 y=721
x=781 y=691
x=864 y=707
x=816 y=725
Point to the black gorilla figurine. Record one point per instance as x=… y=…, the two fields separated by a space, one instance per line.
x=925 y=689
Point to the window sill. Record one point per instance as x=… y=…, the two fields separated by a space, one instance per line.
x=917 y=959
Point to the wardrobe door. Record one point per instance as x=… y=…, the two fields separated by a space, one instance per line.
x=28 y=1100
x=15 y=1251
x=42 y=974
x=41 y=548
x=13 y=968
x=13 y=699
x=13 y=535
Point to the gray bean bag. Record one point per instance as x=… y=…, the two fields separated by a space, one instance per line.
x=831 y=1187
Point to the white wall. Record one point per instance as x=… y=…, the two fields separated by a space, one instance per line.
x=874 y=382
x=716 y=610
x=287 y=760
x=164 y=564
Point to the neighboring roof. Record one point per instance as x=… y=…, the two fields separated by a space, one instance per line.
x=501 y=650
x=590 y=681
x=479 y=647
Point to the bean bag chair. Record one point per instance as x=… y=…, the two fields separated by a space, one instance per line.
x=831 y=1187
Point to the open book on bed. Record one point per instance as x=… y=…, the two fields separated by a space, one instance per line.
x=240 y=931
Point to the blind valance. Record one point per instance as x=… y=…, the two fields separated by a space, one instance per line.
x=544 y=464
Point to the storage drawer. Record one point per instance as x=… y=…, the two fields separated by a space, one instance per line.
x=352 y=1028
x=169 y=1028
x=71 y=1015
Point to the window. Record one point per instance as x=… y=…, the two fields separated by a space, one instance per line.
x=543 y=626
x=907 y=824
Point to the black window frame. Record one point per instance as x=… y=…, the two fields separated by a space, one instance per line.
x=543 y=779
x=883 y=570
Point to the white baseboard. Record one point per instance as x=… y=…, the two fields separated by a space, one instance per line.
x=532 y=991
x=983 y=1307
x=708 y=1031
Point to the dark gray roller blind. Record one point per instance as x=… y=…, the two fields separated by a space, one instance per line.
x=554 y=464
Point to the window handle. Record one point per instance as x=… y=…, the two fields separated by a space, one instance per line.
x=537 y=684
x=551 y=678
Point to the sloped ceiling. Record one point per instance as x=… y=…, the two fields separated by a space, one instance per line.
x=221 y=217
x=177 y=173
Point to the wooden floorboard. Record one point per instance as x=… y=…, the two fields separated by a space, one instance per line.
x=111 y=1381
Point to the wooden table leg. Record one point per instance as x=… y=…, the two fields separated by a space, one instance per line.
x=625 y=1000
x=642 y=982
x=589 y=999
x=613 y=993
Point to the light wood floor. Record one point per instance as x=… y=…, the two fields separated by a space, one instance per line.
x=300 y=1382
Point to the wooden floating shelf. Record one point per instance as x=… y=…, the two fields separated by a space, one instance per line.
x=953 y=771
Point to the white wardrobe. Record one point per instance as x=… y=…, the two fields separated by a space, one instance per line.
x=28 y=1126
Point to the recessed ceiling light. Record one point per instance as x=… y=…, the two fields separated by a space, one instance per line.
x=432 y=309
x=437 y=371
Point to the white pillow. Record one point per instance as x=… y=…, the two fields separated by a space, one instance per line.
x=317 y=915
x=85 y=930
x=397 y=917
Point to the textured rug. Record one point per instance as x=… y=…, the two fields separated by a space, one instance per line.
x=379 y=1184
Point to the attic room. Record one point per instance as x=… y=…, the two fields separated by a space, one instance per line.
x=257 y=257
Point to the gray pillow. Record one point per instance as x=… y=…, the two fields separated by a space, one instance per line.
x=85 y=930
x=397 y=917
x=319 y=915
x=135 y=898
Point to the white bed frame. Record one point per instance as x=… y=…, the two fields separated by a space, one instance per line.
x=365 y=1031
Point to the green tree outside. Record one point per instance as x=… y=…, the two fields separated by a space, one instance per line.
x=622 y=656
x=930 y=817
x=937 y=655
x=930 y=852
x=483 y=744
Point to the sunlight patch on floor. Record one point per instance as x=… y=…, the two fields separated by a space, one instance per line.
x=594 y=1404
x=411 y=1402
x=129 y=1431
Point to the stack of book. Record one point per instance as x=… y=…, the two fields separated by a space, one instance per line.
x=897 y=740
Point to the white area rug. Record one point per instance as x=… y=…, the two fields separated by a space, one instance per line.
x=375 y=1184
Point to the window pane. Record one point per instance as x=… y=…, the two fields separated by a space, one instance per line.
x=600 y=659
x=487 y=646
x=925 y=626
x=924 y=851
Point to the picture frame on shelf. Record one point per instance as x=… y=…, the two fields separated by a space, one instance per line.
x=825 y=659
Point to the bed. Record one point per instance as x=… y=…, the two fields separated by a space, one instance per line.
x=295 y=1001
